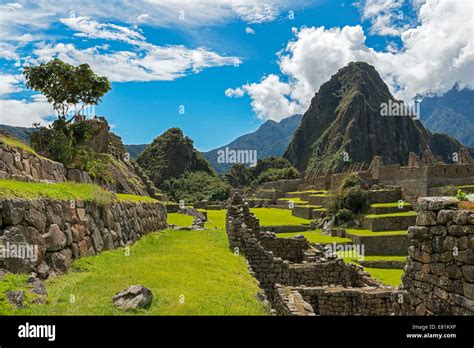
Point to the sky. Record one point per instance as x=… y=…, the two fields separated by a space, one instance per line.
x=219 y=69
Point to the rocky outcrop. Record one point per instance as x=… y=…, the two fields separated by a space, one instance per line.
x=44 y=235
x=344 y=124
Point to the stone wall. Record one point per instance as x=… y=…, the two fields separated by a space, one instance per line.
x=289 y=262
x=60 y=231
x=439 y=275
x=336 y=300
x=19 y=164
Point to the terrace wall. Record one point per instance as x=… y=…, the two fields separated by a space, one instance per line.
x=439 y=275
x=19 y=164
x=290 y=262
x=62 y=231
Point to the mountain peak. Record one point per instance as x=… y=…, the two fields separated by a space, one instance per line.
x=344 y=125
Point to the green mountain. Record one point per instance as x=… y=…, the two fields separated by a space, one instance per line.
x=452 y=113
x=171 y=155
x=270 y=139
x=344 y=124
x=21 y=133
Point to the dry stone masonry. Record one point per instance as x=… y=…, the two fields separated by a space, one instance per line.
x=439 y=275
x=61 y=231
x=299 y=279
x=22 y=165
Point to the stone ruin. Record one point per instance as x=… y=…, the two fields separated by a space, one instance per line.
x=299 y=279
x=439 y=275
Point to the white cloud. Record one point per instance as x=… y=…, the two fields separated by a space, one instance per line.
x=249 y=30
x=24 y=113
x=385 y=16
x=10 y=84
x=151 y=63
x=86 y=27
x=143 y=18
x=436 y=54
x=234 y=93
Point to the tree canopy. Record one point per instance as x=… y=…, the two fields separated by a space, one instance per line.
x=65 y=85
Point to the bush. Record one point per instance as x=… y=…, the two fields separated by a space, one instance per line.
x=356 y=200
x=351 y=180
x=344 y=215
x=461 y=195
x=275 y=174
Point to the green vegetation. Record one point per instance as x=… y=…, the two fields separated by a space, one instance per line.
x=215 y=219
x=180 y=219
x=368 y=233
x=391 y=277
x=64 y=191
x=189 y=273
x=309 y=191
x=315 y=236
x=390 y=205
x=277 y=217
x=295 y=200
x=196 y=186
x=267 y=169
x=461 y=195
x=65 y=85
x=16 y=143
x=404 y=213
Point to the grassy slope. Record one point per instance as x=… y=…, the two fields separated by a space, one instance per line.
x=377 y=216
x=17 y=143
x=180 y=219
x=62 y=191
x=195 y=264
x=367 y=233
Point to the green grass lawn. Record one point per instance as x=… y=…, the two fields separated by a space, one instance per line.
x=315 y=236
x=277 y=217
x=189 y=273
x=180 y=219
x=368 y=233
x=377 y=216
x=215 y=219
x=308 y=191
x=391 y=277
x=63 y=191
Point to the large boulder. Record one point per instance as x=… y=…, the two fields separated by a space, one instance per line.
x=135 y=296
x=55 y=238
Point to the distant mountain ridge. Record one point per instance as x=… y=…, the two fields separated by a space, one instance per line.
x=270 y=139
x=21 y=133
x=344 y=125
x=451 y=113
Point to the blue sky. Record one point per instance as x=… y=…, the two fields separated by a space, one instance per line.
x=231 y=66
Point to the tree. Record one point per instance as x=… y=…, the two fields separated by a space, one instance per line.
x=65 y=85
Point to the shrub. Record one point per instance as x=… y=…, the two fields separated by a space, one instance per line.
x=351 y=180
x=356 y=200
x=461 y=195
x=344 y=215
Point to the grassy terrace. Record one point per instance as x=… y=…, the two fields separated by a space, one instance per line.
x=295 y=200
x=275 y=217
x=308 y=191
x=377 y=216
x=368 y=233
x=64 y=191
x=315 y=236
x=16 y=143
x=390 y=205
x=189 y=273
